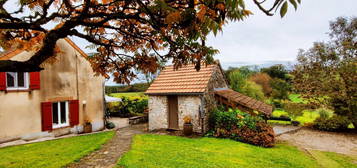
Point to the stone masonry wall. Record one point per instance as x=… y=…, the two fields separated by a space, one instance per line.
x=158 y=112
x=189 y=106
x=217 y=81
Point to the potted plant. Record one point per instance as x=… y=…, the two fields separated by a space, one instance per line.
x=187 y=126
x=87 y=128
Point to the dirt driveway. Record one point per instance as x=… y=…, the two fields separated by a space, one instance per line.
x=344 y=143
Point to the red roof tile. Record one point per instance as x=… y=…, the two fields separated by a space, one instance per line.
x=183 y=80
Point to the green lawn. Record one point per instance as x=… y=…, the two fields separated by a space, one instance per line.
x=130 y=95
x=52 y=154
x=170 y=151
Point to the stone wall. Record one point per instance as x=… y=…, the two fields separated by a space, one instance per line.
x=158 y=112
x=217 y=80
x=189 y=106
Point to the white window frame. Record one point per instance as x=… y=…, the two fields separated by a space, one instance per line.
x=16 y=87
x=59 y=125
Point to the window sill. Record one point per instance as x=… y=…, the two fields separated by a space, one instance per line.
x=18 y=90
x=61 y=127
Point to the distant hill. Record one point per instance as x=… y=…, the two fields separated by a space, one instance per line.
x=262 y=64
x=225 y=66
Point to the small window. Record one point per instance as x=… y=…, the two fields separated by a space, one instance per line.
x=60 y=113
x=17 y=80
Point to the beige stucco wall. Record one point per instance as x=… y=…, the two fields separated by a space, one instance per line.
x=69 y=78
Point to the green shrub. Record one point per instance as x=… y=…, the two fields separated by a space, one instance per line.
x=335 y=123
x=324 y=113
x=127 y=107
x=241 y=126
x=280 y=88
x=239 y=82
x=294 y=109
x=109 y=125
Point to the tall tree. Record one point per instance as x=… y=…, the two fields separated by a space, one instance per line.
x=127 y=34
x=330 y=68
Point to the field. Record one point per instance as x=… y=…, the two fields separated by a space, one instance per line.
x=130 y=95
x=54 y=153
x=182 y=152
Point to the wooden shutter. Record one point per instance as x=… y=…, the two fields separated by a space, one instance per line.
x=74 y=112
x=35 y=80
x=46 y=108
x=2 y=81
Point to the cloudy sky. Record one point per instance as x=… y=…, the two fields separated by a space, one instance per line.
x=263 y=38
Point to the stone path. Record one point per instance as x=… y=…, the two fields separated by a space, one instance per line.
x=309 y=139
x=108 y=155
x=283 y=129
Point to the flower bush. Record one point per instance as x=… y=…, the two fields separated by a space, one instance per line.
x=241 y=126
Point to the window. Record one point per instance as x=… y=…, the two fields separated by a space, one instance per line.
x=60 y=113
x=17 y=80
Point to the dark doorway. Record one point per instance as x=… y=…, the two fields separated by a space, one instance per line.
x=173 y=112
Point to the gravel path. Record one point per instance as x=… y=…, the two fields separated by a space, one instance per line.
x=308 y=139
x=108 y=155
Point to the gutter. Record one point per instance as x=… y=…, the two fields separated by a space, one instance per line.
x=173 y=93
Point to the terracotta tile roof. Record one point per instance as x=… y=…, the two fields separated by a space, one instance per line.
x=245 y=101
x=6 y=55
x=181 y=81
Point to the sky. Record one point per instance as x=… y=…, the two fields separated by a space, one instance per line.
x=261 y=38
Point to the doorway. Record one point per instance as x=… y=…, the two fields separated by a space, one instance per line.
x=173 y=112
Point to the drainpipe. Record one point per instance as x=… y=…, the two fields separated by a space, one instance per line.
x=104 y=106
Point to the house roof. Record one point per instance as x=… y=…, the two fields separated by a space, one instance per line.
x=185 y=80
x=6 y=55
x=243 y=100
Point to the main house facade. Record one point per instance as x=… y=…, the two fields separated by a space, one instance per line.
x=56 y=101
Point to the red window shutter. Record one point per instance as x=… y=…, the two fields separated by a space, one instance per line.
x=74 y=112
x=35 y=80
x=2 y=81
x=46 y=108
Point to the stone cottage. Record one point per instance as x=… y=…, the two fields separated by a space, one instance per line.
x=187 y=92
x=184 y=92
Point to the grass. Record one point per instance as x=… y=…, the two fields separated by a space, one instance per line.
x=295 y=98
x=273 y=122
x=52 y=154
x=171 y=151
x=130 y=95
x=334 y=160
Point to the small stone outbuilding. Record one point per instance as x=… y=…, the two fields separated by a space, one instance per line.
x=184 y=92
x=187 y=92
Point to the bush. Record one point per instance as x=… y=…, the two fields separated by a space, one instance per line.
x=263 y=135
x=109 y=125
x=263 y=80
x=280 y=89
x=294 y=109
x=241 y=126
x=253 y=90
x=127 y=107
x=335 y=123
